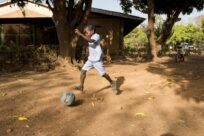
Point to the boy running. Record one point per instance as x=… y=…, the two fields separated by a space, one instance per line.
x=94 y=58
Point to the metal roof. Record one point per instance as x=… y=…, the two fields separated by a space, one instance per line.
x=117 y=14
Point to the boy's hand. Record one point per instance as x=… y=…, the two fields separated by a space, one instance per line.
x=77 y=32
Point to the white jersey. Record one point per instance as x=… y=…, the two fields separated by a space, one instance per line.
x=95 y=51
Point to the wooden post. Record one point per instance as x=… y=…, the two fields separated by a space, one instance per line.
x=18 y=36
x=1 y=35
x=121 y=34
x=34 y=34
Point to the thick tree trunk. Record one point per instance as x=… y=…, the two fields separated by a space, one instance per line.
x=67 y=17
x=67 y=43
x=64 y=38
x=63 y=28
x=150 y=33
x=167 y=28
x=64 y=41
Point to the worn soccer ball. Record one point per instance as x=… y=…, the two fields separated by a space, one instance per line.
x=68 y=98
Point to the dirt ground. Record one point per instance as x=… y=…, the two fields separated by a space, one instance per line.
x=156 y=99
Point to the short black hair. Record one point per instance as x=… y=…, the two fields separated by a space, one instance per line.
x=91 y=27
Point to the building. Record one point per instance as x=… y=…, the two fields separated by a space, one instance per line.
x=33 y=25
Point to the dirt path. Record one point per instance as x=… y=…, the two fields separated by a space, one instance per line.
x=156 y=99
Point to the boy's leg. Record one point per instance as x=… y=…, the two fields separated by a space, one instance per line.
x=112 y=82
x=107 y=77
x=82 y=78
x=87 y=66
x=101 y=70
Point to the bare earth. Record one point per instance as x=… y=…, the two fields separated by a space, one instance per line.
x=156 y=99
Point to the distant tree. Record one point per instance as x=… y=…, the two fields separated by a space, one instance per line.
x=202 y=25
x=135 y=42
x=190 y=33
x=171 y=8
x=67 y=16
x=137 y=38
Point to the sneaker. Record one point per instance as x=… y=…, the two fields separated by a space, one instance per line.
x=79 y=88
x=114 y=86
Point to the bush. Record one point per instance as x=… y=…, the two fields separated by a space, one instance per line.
x=39 y=58
x=136 y=43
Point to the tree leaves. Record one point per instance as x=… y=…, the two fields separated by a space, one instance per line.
x=137 y=38
x=189 y=33
x=126 y=5
x=163 y=6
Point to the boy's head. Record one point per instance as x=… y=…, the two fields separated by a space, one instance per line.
x=89 y=30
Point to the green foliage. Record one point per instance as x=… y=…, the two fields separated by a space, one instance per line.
x=138 y=37
x=202 y=25
x=165 y=6
x=189 y=33
x=126 y=5
x=135 y=40
x=171 y=8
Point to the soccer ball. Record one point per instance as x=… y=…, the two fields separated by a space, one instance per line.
x=68 y=98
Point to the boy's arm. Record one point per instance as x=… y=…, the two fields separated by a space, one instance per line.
x=83 y=36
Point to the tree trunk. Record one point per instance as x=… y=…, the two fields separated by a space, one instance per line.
x=64 y=40
x=67 y=17
x=73 y=47
x=150 y=33
x=63 y=28
x=167 y=28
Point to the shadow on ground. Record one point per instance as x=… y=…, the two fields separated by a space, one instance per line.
x=189 y=76
x=168 y=134
x=37 y=97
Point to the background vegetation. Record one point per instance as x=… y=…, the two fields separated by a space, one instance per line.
x=137 y=41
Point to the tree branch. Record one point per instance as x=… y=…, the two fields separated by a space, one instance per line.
x=49 y=5
x=167 y=26
x=85 y=14
x=70 y=9
x=78 y=12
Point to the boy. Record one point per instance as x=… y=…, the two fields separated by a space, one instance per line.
x=94 y=58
